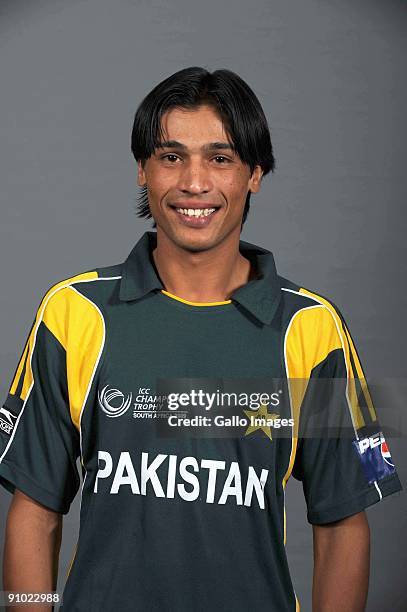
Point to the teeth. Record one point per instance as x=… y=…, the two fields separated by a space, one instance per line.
x=196 y=212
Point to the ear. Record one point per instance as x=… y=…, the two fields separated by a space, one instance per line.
x=141 y=175
x=255 y=179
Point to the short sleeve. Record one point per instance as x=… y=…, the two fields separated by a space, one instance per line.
x=342 y=457
x=39 y=444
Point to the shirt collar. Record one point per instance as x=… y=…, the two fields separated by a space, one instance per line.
x=260 y=296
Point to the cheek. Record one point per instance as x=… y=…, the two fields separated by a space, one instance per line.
x=235 y=188
x=158 y=185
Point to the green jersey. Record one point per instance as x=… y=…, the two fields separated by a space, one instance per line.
x=179 y=523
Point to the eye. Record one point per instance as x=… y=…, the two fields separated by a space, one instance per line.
x=222 y=157
x=168 y=155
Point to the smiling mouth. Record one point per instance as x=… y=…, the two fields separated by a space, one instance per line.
x=195 y=212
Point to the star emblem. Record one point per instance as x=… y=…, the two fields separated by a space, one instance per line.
x=262 y=414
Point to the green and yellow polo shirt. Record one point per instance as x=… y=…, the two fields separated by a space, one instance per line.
x=181 y=523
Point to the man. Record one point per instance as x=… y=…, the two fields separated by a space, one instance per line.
x=188 y=522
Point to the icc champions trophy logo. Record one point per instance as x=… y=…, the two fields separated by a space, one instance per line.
x=113 y=402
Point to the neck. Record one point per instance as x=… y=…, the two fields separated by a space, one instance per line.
x=203 y=276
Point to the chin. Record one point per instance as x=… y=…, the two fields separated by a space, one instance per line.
x=195 y=246
x=194 y=241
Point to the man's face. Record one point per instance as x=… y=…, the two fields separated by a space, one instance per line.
x=196 y=171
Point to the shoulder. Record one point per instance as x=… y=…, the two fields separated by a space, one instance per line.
x=301 y=302
x=314 y=328
x=313 y=324
x=86 y=282
x=75 y=304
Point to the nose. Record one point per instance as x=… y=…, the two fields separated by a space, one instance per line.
x=195 y=177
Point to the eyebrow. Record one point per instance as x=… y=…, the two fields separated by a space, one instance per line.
x=212 y=146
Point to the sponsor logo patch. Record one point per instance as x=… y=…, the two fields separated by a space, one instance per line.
x=375 y=457
x=7 y=420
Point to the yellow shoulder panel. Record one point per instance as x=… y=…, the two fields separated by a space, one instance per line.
x=54 y=310
x=350 y=355
x=310 y=337
x=85 y=341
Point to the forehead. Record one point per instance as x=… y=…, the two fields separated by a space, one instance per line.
x=202 y=124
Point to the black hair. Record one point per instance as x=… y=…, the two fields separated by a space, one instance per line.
x=229 y=95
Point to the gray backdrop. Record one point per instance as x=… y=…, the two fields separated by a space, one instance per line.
x=331 y=78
